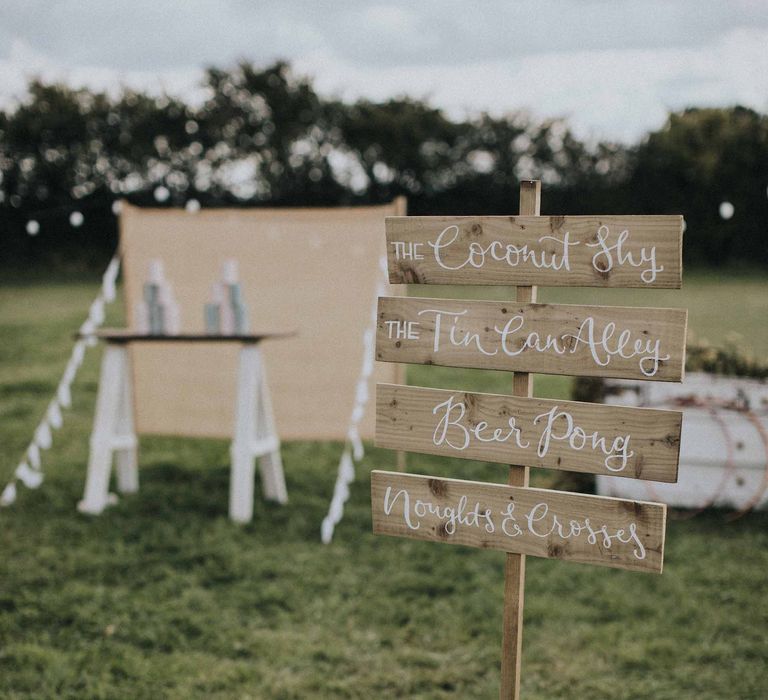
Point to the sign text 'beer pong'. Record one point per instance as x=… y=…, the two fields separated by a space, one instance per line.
x=641 y=443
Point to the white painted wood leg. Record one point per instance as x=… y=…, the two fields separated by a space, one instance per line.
x=112 y=430
x=241 y=479
x=255 y=436
x=271 y=462
x=125 y=442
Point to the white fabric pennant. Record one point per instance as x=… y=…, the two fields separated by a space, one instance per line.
x=108 y=286
x=347 y=468
x=78 y=353
x=31 y=478
x=43 y=436
x=54 y=416
x=357 y=414
x=357 y=444
x=109 y=289
x=340 y=497
x=367 y=365
x=63 y=394
x=33 y=454
x=70 y=371
x=28 y=471
x=9 y=495
x=326 y=530
x=96 y=312
x=361 y=395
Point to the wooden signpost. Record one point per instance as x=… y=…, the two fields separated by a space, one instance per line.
x=522 y=336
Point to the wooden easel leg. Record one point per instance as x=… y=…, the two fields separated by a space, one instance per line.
x=241 y=486
x=271 y=463
x=127 y=442
x=272 y=476
x=243 y=459
x=113 y=369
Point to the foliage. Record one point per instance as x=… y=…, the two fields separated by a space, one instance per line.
x=731 y=360
x=264 y=136
x=701 y=158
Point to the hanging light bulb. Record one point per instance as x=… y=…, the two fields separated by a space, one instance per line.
x=162 y=193
x=76 y=219
x=726 y=210
x=117 y=207
x=33 y=227
x=192 y=206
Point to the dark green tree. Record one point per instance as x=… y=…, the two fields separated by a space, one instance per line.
x=701 y=158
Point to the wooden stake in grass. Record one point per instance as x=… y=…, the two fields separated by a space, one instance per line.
x=514 y=570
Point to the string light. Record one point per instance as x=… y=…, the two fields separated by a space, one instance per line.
x=76 y=217
x=726 y=210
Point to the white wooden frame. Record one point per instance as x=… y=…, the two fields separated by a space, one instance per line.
x=114 y=434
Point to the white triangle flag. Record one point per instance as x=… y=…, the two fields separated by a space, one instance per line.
x=54 y=415
x=361 y=395
x=33 y=452
x=78 y=352
x=43 y=435
x=63 y=394
x=96 y=312
x=9 y=495
x=31 y=478
x=346 y=468
x=357 y=444
x=108 y=279
x=326 y=530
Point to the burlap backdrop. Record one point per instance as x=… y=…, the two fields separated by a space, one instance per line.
x=312 y=270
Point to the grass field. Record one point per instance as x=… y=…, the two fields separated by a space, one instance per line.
x=163 y=596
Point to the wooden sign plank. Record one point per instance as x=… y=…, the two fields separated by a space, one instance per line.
x=537 y=522
x=640 y=443
x=579 y=251
x=601 y=341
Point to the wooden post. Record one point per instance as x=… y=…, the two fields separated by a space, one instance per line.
x=401 y=209
x=514 y=571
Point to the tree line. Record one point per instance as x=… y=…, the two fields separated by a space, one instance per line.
x=264 y=137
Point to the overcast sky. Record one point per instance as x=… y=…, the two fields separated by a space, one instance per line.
x=612 y=67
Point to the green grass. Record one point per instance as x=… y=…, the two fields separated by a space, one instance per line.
x=162 y=596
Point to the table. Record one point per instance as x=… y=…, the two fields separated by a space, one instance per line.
x=113 y=431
